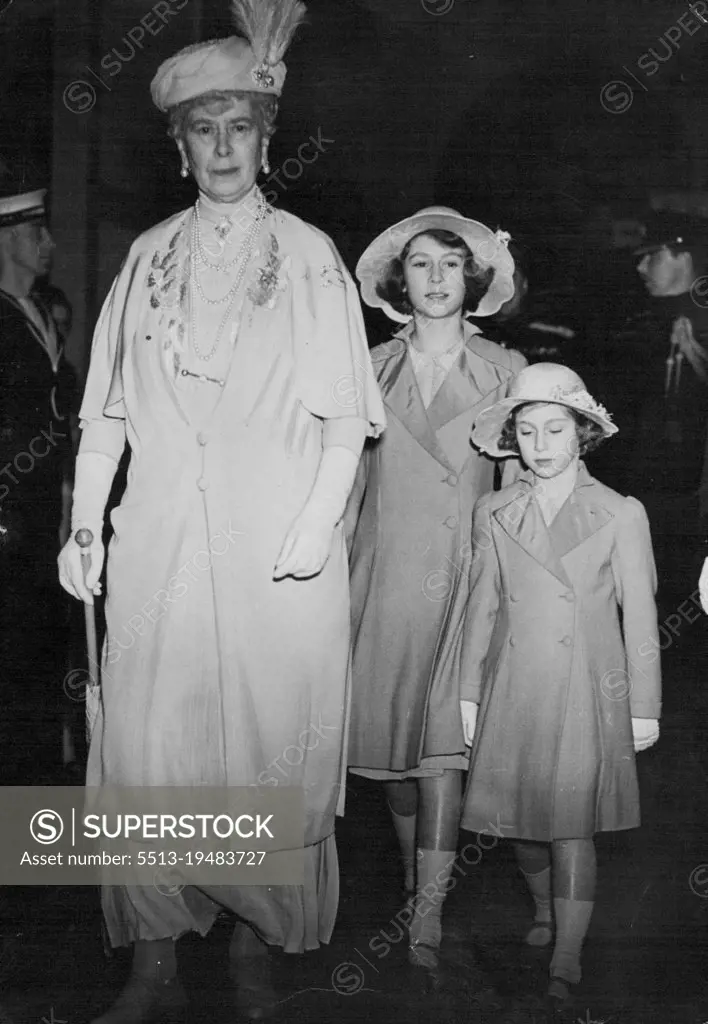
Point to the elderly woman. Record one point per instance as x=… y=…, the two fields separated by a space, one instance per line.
x=231 y=353
x=410 y=522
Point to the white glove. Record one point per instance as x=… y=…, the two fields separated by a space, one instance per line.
x=93 y=479
x=308 y=542
x=645 y=732
x=703 y=586
x=468 y=710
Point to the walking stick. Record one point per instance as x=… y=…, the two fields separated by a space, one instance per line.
x=84 y=538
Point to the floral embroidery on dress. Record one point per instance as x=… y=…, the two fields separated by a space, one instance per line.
x=167 y=282
x=331 y=274
x=271 y=279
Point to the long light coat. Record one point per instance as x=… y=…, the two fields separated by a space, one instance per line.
x=214 y=673
x=558 y=677
x=411 y=529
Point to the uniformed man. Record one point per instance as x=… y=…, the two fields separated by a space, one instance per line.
x=36 y=388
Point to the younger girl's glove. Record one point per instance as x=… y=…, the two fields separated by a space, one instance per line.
x=468 y=710
x=645 y=732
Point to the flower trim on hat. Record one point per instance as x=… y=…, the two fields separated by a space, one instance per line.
x=581 y=399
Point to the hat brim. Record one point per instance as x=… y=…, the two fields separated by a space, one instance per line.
x=487 y=248
x=490 y=423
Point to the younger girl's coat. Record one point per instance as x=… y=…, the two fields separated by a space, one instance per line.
x=558 y=679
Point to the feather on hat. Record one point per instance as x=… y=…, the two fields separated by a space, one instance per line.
x=250 y=64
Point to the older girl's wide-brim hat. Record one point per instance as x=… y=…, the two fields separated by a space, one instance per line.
x=489 y=248
x=540 y=382
x=251 y=62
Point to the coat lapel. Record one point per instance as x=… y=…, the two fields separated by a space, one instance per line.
x=579 y=518
x=472 y=384
x=401 y=394
x=521 y=518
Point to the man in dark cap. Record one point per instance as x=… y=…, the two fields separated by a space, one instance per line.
x=671 y=380
x=36 y=386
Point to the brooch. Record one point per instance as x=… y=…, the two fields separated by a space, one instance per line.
x=270 y=279
x=331 y=274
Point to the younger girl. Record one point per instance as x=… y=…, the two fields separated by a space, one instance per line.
x=565 y=694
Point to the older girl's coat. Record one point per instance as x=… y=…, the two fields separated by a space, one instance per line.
x=412 y=533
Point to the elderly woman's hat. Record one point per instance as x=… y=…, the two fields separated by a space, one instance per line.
x=540 y=382
x=489 y=248
x=250 y=64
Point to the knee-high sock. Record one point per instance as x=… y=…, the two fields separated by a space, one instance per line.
x=572 y=923
x=434 y=870
x=405 y=826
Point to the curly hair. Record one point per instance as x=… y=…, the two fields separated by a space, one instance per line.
x=264 y=106
x=392 y=288
x=590 y=434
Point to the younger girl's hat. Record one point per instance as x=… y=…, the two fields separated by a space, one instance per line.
x=489 y=248
x=540 y=382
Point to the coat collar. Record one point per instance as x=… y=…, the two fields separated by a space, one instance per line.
x=581 y=516
x=471 y=384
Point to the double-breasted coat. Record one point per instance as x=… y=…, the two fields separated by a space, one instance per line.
x=540 y=646
x=413 y=515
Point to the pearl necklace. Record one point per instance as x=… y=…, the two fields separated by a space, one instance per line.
x=245 y=252
x=201 y=251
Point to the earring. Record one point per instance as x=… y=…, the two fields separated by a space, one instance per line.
x=185 y=171
x=264 y=160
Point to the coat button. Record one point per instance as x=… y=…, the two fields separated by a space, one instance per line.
x=512 y=642
x=452 y=479
x=513 y=597
x=567 y=641
x=450 y=522
x=202 y=438
x=202 y=483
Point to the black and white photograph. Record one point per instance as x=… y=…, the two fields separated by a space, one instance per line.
x=353 y=512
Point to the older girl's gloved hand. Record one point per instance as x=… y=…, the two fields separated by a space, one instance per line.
x=645 y=732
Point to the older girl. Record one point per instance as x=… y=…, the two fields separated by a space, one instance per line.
x=412 y=512
x=566 y=693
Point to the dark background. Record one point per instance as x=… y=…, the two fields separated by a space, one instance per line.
x=490 y=106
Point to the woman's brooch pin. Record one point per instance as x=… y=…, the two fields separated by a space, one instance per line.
x=331 y=275
x=271 y=278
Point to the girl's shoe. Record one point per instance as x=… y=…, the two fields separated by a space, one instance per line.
x=559 y=992
x=144 y=1000
x=540 y=934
